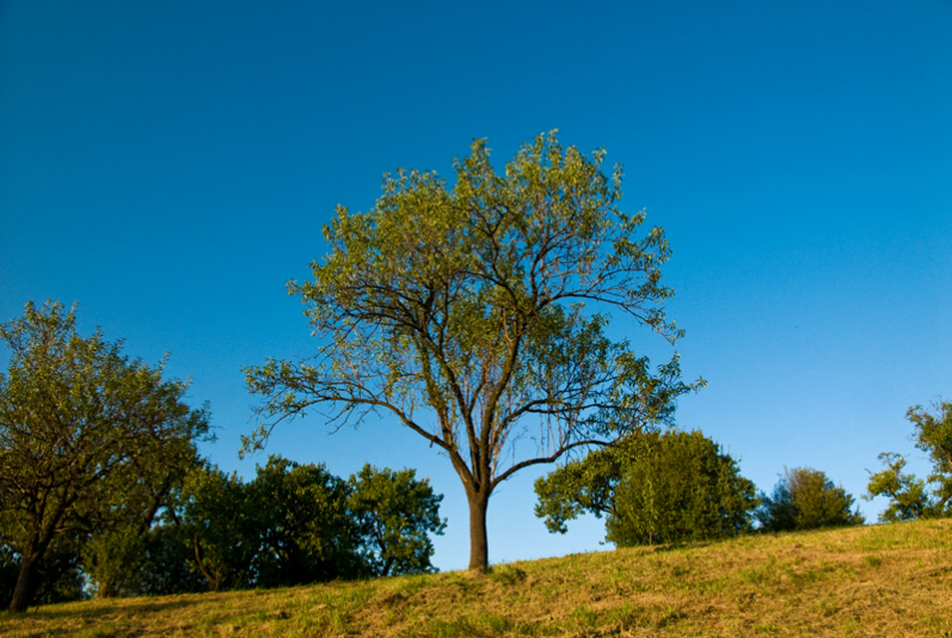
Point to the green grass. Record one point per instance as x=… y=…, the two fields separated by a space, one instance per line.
x=892 y=580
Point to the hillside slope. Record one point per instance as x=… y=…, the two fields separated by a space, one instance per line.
x=893 y=580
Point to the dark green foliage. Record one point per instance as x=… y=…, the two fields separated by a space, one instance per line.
x=91 y=442
x=395 y=514
x=805 y=498
x=296 y=524
x=300 y=525
x=912 y=498
x=168 y=565
x=9 y=570
x=655 y=488
x=212 y=518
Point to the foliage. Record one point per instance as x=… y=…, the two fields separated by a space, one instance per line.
x=89 y=439
x=805 y=498
x=909 y=498
x=114 y=559
x=654 y=488
x=395 y=514
x=912 y=498
x=58 y=576
x=169 y=568
x=300 y=525
x=212 y=518
x=295 y=524
x=461 y=312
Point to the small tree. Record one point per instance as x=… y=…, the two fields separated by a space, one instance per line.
x=912 y=498
x=655 y=488
x=80 y=426
x=805 y=498
x=395 y=514
x=469 y=302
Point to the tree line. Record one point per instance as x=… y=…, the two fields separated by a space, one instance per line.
x=102 y=487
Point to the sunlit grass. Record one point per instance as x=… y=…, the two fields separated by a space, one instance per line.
x=891 y=580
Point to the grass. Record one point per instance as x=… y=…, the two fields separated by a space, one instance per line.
x=890 y=580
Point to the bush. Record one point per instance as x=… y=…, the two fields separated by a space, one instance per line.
x=805 y=498
x=656 y=488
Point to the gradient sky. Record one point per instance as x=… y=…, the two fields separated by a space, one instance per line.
x=169 y=165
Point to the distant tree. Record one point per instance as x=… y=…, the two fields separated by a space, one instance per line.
x=395 y=514
x=805 y=498
x=301 y=526
x=211 y=516
x=654 y=488
x=116 y=556
x=295 y=524
x=912 y=498
x=909 y=498
x=168 y=565
x=461 y=312
x=80 y=426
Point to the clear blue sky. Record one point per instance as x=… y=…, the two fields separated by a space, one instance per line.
x=169 y=165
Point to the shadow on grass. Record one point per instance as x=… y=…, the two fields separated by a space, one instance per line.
x=101 y=608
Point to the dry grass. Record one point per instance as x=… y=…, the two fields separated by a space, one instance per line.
x=891 y=580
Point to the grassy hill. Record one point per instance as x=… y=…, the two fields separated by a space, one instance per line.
x=893 y=580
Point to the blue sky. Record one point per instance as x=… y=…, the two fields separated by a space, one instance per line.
x=169 y=165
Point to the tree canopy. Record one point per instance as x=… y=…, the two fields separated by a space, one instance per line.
x=89 y=439
x=395 y=514
x=655 y=488
x=910 y=497
x=298 y=523
x=805 y=498
x=461 y=311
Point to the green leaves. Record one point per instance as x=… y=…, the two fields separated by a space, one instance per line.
x=296 y=524
x=395 y=514
x=909 y=499
x=89 y=440
x=805 y=498
x=653 y=488
x=912 y=498
x=477 y=314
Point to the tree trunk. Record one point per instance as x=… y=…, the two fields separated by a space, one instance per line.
x=478 y=539
x=26 y=583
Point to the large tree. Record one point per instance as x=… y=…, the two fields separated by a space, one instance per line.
x=82 y=427
x=462 y=311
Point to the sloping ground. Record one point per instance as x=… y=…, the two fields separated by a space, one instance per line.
x=893 y=580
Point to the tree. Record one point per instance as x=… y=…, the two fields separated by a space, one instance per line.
x=80 y=425
x=300 y=525
x=296 y=524
x=211 y=516
x=909 y=498
x=653 y=488
x=912 y=498
x=805 y=498
x=395 y=514
x=461 y=312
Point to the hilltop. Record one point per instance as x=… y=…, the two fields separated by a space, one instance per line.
x=883 y=580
